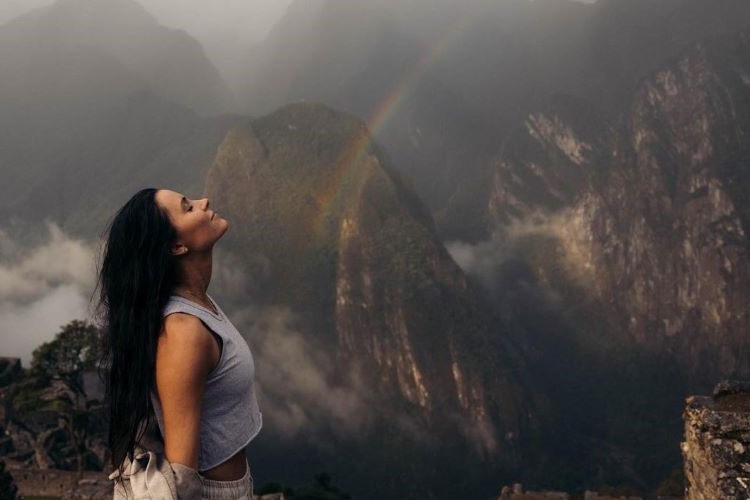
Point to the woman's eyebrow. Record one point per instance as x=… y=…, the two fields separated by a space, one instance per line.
x=183 y=203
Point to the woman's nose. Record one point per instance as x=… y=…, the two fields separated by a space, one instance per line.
x=205 y=203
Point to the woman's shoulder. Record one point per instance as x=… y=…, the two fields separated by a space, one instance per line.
x=184 y=336
x=178 y=320
x=189 y=328
x=177 y=303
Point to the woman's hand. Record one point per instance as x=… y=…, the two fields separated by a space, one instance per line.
x=188 y=482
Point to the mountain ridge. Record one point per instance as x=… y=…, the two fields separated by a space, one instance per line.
x=348 y=246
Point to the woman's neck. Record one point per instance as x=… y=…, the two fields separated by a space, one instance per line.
x=194 y=276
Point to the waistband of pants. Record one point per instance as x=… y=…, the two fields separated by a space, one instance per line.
x=228 y=489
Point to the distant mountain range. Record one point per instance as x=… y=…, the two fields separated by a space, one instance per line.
x=169 y=62
x=98 y=100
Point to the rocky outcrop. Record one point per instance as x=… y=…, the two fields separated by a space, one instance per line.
x=650 y=213
x=34 y=434
x=717 y=440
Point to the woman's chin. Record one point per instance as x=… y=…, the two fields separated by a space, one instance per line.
x=225 y=224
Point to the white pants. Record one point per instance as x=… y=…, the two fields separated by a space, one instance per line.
x=239 y=489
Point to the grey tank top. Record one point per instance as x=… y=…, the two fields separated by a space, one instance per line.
x=230 y=417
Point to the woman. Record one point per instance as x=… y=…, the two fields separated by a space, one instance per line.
x=173 y=355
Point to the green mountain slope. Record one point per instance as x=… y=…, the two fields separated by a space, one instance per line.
x=345 y=242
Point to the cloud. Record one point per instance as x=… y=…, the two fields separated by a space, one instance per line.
x=293 y=378
x=29 y=274
x=41 y=289
x=25 y=327
x=481 y=261
x=569 y=229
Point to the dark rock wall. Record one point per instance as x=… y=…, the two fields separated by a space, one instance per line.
x=716 y=449
x=650 y=212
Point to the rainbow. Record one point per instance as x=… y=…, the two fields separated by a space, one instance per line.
x=404 y=86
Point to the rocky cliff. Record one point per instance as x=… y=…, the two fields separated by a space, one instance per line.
x=650 y=213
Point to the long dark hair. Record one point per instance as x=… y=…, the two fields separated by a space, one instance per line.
x=136 y=278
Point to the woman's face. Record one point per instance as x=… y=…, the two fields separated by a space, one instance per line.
x=198 y=227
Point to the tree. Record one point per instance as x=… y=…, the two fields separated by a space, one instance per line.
x=75 y=349
x=56 y=380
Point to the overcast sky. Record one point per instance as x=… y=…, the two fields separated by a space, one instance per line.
x=12 y=8
x=245 y=19
x=225 y=28
x=249 y=19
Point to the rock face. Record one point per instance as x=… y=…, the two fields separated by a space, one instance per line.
x=717 y=437
x=650 y=213
x=342 y=238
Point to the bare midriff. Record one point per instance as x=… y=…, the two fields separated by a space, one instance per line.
x=229 y=470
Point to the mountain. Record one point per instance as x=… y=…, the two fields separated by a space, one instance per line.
x=341 y=238
x=632 y=234
x=170 y=62
x=84 y=173
x=600 y=146
x=443 y=84
x=659 y=194
x=89 y=106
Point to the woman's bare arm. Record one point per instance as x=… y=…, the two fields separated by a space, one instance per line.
x=185 y=355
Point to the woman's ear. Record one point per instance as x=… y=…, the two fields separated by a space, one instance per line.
x=178 y=249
